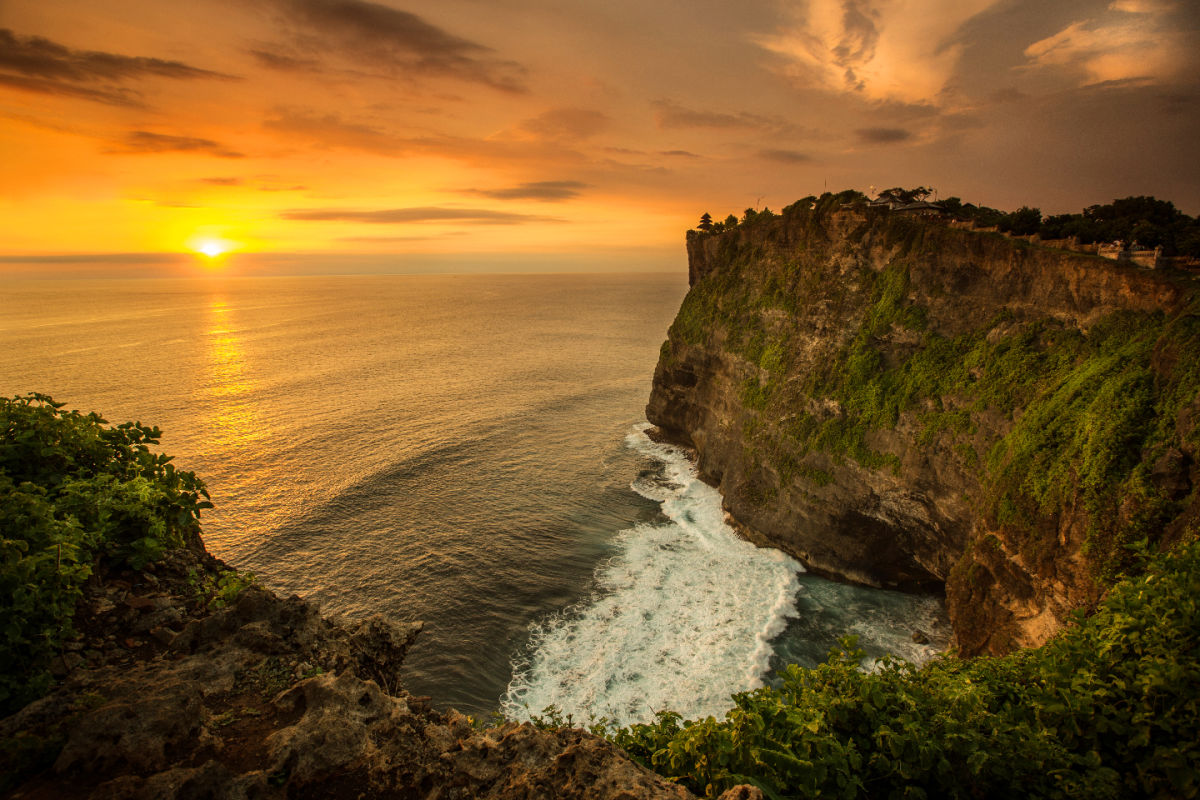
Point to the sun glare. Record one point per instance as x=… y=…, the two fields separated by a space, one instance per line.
x=211 y=247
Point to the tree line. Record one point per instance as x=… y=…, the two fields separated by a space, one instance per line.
x=1142 y=220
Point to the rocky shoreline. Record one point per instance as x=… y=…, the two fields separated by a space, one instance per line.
x=165 y=695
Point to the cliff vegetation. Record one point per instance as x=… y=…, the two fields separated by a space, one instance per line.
x=1109 y=709
x=902 y=403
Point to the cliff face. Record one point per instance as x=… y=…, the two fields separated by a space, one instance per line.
x=899 y=403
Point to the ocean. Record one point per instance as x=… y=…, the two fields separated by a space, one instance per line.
x=465 y=450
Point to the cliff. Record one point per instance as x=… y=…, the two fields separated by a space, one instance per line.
x=163 y=694
x=900 y=403
x=135 y=665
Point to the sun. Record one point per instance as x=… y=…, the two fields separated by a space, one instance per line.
x=213 y=248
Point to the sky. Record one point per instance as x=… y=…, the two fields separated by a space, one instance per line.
x=293 y=136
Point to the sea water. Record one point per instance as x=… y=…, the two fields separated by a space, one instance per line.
x=469 y=451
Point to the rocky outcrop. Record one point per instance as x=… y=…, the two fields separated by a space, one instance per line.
x=845 y=380
x=265 y=698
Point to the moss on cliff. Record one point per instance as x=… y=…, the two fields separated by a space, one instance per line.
x=1091 y=410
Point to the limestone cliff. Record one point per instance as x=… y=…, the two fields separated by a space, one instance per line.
x=903 y=403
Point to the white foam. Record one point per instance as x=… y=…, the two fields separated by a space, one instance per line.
x=681 y=617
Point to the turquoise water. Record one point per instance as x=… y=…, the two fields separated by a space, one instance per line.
x=463 y=450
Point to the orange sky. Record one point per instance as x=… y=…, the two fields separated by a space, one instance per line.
x=515 y=135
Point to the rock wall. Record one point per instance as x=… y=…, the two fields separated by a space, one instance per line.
x=844 y=378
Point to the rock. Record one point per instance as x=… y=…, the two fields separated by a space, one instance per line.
x=339 y=715
x=227 y=712
x=142 y=731
x=919 y=637
x=162 y=635
x=210 y=780
x=102 y=605
x=742 y=792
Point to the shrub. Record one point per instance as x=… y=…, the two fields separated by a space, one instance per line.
x=1108 y=709
x=73 y=491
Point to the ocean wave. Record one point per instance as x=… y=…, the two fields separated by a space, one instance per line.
x=680 y=618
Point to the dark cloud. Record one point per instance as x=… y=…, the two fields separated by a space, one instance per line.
x=785 y=156
x=858 y=41
x=91 y=258
x=475 y=216
x=283 y=62
x=223 y=181
x=545 y=191
x=1007 y=95
x=566 y=123
x=114 y=96
x=671 y=115
x=391 y=40
x=149 y=142
x=883 y=135
x=34 y=64
x=679 y=153
x=395 y=239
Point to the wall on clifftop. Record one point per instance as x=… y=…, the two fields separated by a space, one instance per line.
x=900 y=403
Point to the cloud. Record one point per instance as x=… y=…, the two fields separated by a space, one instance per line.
x=35 y=64
x=389 y=216
x=545 y=191
x=223 y=181
x=397 y=239
x=391 y=40
x=283 y=62
x=679 y=153
x=1140 y=42
x=883 y=135
x=330 y=129
x=566 y=123
x=149 y=142
x=785 y=156
x=671 y=115
x=90 y=258
x=879 y=49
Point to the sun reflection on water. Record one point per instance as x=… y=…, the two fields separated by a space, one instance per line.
x=232 y=422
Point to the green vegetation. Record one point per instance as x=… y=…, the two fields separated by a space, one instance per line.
x=1148 y=221
x=75 y=492
x=1108 y=709
x=1093 y=412
x=1056 y=420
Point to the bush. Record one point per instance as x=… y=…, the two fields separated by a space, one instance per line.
x=74 y=491
x=1110 y=708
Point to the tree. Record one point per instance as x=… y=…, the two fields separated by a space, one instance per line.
x=706 y=222
x=1022 y=222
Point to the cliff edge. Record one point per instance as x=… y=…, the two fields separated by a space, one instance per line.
x=903 y=403
x=164 y=695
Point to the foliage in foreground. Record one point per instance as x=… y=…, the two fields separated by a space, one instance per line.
x=73 y=491
x=1110 y=708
